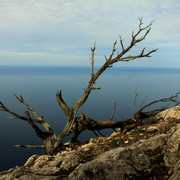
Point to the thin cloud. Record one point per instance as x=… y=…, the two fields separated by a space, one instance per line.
x=72 y=26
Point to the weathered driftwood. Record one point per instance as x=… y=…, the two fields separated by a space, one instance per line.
x=76 y=124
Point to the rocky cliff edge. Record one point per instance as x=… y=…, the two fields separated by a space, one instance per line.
x=150 y=151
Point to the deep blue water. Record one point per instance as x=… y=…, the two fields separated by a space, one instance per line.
x=38 y=86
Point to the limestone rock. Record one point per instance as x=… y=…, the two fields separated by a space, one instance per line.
x=31 y=160
x=152 y=156
x=173 y=112
x=70 y=161
x=120 y=162
x=172 y=154
x=152 y=129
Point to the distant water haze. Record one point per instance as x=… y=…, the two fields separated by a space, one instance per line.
x=38 y=86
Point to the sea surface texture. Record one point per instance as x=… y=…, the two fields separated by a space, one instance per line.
x=38 y=86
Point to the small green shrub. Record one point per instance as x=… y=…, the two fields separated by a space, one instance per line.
x=115 y=142
x=138 y=131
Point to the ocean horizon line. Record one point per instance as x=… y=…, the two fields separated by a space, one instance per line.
x=87 y=67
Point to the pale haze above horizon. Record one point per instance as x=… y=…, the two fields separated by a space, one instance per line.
x=61 y=32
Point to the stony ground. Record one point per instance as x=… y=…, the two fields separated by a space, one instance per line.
x=150 y=151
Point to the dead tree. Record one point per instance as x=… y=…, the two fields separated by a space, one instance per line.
x=51 y=142
x=137 y=37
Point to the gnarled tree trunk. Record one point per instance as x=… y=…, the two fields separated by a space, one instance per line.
x=51 y=142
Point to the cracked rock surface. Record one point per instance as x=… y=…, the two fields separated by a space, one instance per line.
x=145 y=152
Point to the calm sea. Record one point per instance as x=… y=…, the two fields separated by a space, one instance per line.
x=38 y=86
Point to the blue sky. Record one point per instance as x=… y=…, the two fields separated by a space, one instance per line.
x=61 y=32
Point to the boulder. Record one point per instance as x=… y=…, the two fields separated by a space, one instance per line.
x=149 y=152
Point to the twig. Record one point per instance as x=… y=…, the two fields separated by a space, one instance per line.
x=135 y=97
x=92 y=60
x=30 y=146
x=114 y=109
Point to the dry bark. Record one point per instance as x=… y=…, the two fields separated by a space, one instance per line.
x=76 y=124
x=86 y=123
x=71 y=113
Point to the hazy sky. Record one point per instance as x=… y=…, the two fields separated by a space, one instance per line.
x=61 y=32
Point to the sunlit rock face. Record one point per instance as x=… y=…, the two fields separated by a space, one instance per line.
x=173 y=112
x=155 y=155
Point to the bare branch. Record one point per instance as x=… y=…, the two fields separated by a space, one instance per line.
x=46 y=137
x=134 y=36
x=108 y=64
x=142 y=51
x=140 y=22
x=38 y=119
x=38 y=131
x=101 y=133
x=113 y=50
x=92 y=60
x=30 y=146
x=135 y=97
x=87 y=123
x=122 y=46
x=147 y=55
x=114 y=109
x=96 y=88
x=95 y=133
x=11 y=118
x=20 y=99
x=144 y=100
x=130 y=58
x=171 y=99
x=16 y=116
x=71 y=114
x=51 y=142
x=62 y=104
x=114 y=129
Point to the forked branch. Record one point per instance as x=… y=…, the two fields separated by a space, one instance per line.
x=47 y=137
x=71 y=114
x=86 y=123
x=172 y=99
x=77 y=124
